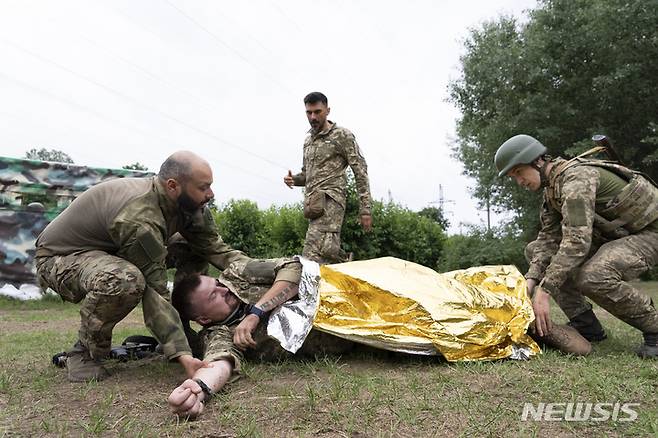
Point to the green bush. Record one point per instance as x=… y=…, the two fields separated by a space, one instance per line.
x=240 y=223
x=501 y=246
x=280 y=231
x=285 y=229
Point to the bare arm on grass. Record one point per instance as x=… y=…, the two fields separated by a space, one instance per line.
x=187 y=400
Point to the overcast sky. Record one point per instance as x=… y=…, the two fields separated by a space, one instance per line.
x=115 y=82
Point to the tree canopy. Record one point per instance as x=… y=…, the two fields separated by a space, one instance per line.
x=574 y=69
x=135 y=166
x=44 y=154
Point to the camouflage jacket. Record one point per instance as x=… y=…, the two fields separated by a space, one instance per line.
x=249 y=280
x=326 y=156
x=571 y=211
x=133 y=218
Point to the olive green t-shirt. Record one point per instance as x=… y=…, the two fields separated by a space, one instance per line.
x=610 y=184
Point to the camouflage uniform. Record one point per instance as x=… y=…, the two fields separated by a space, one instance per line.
x=108 y=250
x=326 y=156
x=577 y=253
x=249 y=281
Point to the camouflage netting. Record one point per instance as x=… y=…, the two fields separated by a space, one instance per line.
x=33 y=193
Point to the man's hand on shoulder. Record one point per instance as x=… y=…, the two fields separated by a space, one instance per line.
x=242 y=336
x=191 y=364
x=186 y=400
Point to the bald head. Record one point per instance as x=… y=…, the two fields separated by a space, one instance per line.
x=181 y=166
x=187 y=178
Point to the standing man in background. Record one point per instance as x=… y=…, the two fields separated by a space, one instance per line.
x=328 y=150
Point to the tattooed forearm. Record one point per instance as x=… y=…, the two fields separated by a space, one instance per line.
x=289 y=291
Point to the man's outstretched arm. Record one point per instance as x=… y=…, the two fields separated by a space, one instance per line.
x=188 y=398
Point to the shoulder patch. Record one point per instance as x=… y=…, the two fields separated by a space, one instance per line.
x=154 y=250
x=575 y=212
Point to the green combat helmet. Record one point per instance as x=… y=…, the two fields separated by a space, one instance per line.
x=520 y=149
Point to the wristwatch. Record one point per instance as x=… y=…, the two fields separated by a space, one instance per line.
x=205 y=388
x=255 y=310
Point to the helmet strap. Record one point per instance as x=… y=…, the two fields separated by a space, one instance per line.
x=543 y=179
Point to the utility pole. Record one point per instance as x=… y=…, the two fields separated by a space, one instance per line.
x=441 y=212
x=442 y=200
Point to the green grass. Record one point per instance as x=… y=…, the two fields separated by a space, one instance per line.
x=369 y=393
x=49 y=301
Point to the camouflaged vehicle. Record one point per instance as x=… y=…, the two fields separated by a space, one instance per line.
x=33 y=193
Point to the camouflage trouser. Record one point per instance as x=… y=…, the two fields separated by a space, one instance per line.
x=322 y=242
x=604 y=279
x=108 y=286
x=568 y=297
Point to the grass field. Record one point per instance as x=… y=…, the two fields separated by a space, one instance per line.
x=361 y=395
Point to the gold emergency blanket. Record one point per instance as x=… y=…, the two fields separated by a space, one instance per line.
x=480 y=313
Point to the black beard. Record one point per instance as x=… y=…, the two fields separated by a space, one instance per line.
x=186 y=203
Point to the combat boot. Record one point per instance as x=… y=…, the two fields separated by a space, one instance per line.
x=81 y=367
x=649 y=350
x=566 y=339
x=588 y=326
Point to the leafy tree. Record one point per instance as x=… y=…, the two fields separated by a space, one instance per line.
x=44 y=154
x=285 y=229
x=135 y=166
x=240 y=223
x=576 y=68
x=480 y=247
x=435 y=214
x=397 y=231
x=407 y=235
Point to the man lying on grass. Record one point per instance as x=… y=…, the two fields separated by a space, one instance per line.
x=233 y=311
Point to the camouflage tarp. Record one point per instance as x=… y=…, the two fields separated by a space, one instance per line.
x=32 y=193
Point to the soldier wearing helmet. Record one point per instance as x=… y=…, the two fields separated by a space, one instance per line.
x=599 y=229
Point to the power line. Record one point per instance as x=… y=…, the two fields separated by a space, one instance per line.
x=381 y=157
x=124 y=125
x=286 y=16
x=142 y=105
x=229 y=47
x=148 y=73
